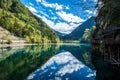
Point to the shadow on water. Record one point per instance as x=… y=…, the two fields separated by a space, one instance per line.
x=70 y=62
x=106 y=61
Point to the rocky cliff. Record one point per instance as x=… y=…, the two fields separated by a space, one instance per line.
x=108 y=20
x=106 y=40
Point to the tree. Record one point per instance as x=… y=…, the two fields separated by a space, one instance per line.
x=87 y=36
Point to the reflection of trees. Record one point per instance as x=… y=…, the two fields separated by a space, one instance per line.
x=87 y=59
x=6 y=51
x=105 y=69
x=24 y=61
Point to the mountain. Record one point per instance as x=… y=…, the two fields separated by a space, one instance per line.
x=59 y=34
x=19 y=21
x=79 y=31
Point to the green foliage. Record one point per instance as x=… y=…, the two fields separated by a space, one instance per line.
x=16 y=18
x=87 y=36
x=5 y=4
x=33 y=38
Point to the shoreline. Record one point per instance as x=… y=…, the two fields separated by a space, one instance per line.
x=16 y=45
x=24 y=44
x=30 y=44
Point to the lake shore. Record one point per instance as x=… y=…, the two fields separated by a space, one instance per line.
x=16 y=45
x=26 y=44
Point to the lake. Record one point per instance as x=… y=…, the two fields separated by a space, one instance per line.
x=69 y=61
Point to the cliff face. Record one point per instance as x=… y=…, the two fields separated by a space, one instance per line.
x=106 y=40
x=108 y=13
x=108 y=19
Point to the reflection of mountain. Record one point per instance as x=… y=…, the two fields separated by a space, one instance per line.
x=63 y=66
x=23 y=61
x=79 y=31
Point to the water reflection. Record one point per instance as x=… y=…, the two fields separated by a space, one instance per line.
x=16 y=63
x=63 y=66
x=6 y=51
x=22 y=61
x=81 y=52
x=103 y=60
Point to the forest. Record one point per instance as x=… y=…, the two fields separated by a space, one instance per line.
x=17 y=19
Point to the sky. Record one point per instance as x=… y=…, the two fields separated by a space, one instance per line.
x=62 y=15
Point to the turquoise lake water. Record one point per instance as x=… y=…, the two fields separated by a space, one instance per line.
x=68 y=61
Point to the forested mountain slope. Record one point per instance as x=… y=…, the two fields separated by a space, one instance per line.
x=17 y=19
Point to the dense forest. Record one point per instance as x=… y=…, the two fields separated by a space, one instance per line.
x=17 y=19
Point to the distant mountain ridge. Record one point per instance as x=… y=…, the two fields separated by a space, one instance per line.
x=60 y=34
x=79 y=31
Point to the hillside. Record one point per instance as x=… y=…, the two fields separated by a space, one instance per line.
x=79 y=31
x=19 y=21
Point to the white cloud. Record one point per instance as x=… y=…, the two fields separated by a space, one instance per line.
x=49 y=22
x=60 y=26
x=95 y=0
x=38 y=0
x=52 y=5
x=67 y=7
x=37 y=15
x=69 y=17
x=91 y=75
x=51 y=12
x=88 y=11
x=32 y=9
x=43 y=13
x=64 y=27
x=31 y=4
x=54 y=18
